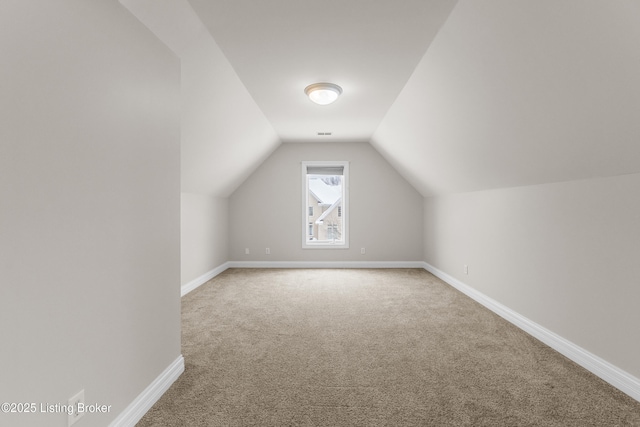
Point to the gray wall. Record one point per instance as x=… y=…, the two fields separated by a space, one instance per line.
x=385 y=211
x=89 y=207
x=564 y=255
x=204 y=233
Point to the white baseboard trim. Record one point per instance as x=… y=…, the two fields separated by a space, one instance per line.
x=145 y=400
x=326 y=264
x=201 y=280
x=615 y=376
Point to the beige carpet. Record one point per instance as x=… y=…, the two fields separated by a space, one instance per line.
x=369 y=348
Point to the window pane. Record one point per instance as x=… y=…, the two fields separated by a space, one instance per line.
x=325 y=204
x=325 y=197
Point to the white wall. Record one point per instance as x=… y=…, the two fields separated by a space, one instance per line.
x=564 y=255
x=385 y=211
x=89 y=207
x=224 y=138
x=204 y=234
x=537 y=101
x=224 y=135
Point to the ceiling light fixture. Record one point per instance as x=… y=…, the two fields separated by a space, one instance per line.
x=323 y=93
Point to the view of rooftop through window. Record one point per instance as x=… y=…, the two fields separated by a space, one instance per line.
x=325 y=196
x=325 y=205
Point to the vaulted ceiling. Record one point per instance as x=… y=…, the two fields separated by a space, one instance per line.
x=458 y=96
x=369 y=48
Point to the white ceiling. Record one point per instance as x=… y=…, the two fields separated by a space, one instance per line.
x=278 y=47
x=224 y=134
x=457 y=95
x=515 y=93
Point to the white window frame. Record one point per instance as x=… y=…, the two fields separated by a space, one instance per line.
x=306 y=244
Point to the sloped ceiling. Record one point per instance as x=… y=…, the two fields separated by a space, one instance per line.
x=243 y=76
x=514 y=93
x=369 y=48
x=458 y=96
x=224 y=134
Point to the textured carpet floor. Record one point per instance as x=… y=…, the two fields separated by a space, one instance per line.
x=368 y=348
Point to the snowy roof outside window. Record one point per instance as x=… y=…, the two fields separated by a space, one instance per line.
x=324 y=193
x=328 y=211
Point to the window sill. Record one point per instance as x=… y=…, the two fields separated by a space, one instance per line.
x=325 y=246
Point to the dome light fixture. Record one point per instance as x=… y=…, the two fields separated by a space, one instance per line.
x=323 y=93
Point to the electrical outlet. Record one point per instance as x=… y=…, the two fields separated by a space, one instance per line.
x=246 y=251
x=267 y=251
x=466 y=269
x=75 y=402
x=362 y=251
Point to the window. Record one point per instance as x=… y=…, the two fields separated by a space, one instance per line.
x=325 y=197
